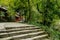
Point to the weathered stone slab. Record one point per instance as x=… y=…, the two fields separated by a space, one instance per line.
x=2 y=26
x=12 y=24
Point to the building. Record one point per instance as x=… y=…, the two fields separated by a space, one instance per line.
x=3 y=14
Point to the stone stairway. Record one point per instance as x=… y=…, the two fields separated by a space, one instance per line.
x=24 y=32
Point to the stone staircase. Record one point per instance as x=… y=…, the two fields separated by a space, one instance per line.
x=29 y=32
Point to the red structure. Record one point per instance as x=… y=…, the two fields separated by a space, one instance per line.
x=18 y=17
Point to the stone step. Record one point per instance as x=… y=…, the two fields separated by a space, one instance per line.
x=24 y=36
x=40 y=37
x=19 y=27
x=29 y=35
x=7 y=31
x=18 y=33
x=43 y=38
x=22 y=28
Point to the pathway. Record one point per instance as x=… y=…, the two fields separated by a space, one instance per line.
x=20 y=31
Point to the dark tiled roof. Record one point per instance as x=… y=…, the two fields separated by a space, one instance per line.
x=3 y=9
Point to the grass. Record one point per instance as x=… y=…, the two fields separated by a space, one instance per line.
x=53 y=33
